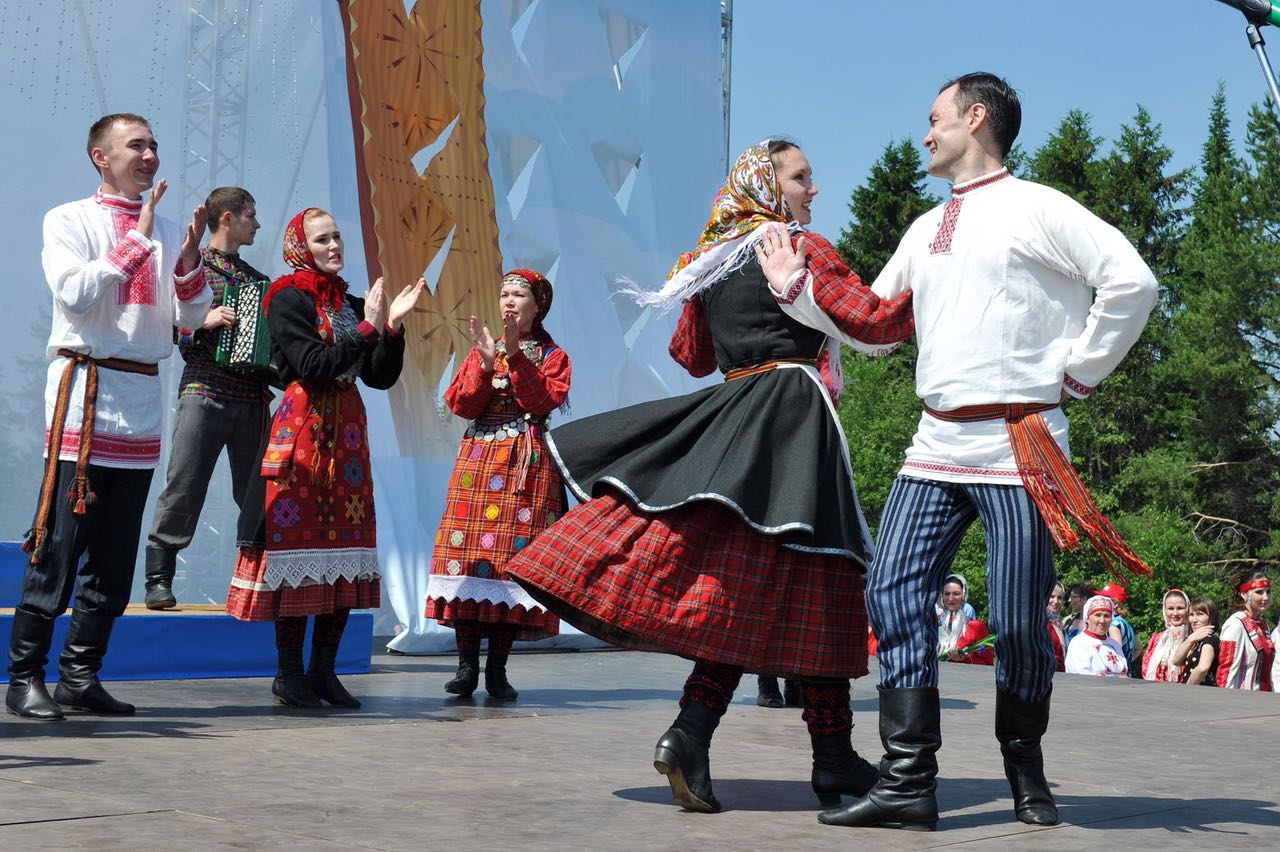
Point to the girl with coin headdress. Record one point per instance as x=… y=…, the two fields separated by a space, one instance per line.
x=504 y=489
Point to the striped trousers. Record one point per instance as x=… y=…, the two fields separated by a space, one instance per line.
x=921 y=529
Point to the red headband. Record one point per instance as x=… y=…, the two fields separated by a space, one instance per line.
x=1260 y=583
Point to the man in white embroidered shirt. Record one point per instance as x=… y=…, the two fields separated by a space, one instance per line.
x=121 y=278
x=1022 y=298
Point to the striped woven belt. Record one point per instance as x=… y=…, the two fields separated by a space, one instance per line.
x=37 y=536
x=995 y=411
x=744 y=372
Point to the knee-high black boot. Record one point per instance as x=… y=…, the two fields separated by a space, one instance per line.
x=161 y=565
x=904 y=796
x=1019 y=727
x=468 y=677
x=290 y=686
x=837 y=768
x=27 y=695
x=81 y=660
x=323 y=679
x=767 y=692
x=683 y=755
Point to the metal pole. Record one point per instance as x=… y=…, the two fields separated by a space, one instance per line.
x=726 y=29
x=1259 y=47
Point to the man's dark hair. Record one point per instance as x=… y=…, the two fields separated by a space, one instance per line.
x=1004 y=110
x=225 y=199
x=99 y=129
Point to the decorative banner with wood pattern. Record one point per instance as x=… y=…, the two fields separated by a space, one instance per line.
x=416 y=82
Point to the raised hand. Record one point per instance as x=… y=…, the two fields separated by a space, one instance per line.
x=190 y=252
x=404 y=303
x=485 y=344
x=147 y=218
x=375 y=305
x=510 y=333
x=778 y=260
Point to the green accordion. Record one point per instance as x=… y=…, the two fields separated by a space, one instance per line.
x=245 y=345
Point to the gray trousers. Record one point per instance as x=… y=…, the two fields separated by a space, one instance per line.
x=202 y=428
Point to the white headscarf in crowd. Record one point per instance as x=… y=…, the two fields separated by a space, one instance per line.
x=1169 y=640
x=951 y=625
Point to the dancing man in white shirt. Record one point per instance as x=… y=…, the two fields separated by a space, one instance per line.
x=1022 y=298
x=121 y=279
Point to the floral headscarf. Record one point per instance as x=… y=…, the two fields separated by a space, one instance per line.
x=326 y=288
x=751 y=197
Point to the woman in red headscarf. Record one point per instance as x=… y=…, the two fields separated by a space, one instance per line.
x=308 y=547
x=504 y=489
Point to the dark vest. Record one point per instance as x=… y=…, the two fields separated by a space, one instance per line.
x=749 y=327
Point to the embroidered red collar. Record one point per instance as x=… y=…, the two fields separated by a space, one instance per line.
x=116 y=202
x=979 y=182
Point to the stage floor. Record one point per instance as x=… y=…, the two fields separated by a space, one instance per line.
x=211 y=764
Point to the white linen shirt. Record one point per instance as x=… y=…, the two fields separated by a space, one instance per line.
x=1025 y=294
x=115 y=295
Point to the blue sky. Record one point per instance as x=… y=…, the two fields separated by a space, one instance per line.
x=847 y=76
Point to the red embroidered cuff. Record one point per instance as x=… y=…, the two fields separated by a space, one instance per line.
x=368 y=330
x=188 y=285
x=391 y=332
x=795 y=286
x=130 y=253
x=1076 y=389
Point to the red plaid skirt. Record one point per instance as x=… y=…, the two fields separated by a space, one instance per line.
x=486 y=522
x=250 y=600
x=698 y=582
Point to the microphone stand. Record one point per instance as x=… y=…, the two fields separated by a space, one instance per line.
x=1258 y=45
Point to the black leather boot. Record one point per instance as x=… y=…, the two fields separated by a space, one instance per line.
x=768 y=694
x=161 y=565
x=81 y=660
x=495 y=679
x=323 y=680
x=468 y=677
x=838 y=769
x=792 y=696
x=290 y=686
x=904 y=796
x=27 y=695
x=683 y=756
x=1019 y=727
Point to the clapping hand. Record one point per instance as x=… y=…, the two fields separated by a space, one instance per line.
x=485 y=344
x=510 y=333
x=375 y=305
x=405 y=303
x=190 y=251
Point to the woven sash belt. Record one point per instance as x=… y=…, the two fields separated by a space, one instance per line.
x=37 y=535
x=757 y=369
x=1053 y=483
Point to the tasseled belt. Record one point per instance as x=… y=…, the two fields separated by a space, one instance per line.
x=37 y=535
x=1052 y=481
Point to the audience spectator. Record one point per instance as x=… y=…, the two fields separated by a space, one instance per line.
x=1074 y=622
x=1095 y=651
x=1056 y=632
x=959 y=635
x=1121 y=630
x=1198 y=653
x=1248 y=653
x=1157 y=662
